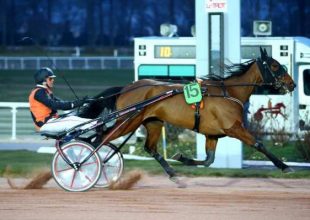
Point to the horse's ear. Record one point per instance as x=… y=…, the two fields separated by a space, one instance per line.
x=263 y=53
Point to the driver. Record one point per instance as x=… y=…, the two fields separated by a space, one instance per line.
x=44 y=105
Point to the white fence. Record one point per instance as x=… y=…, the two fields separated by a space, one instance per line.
x=66 y=62
x=8 y=119
x=15 y=119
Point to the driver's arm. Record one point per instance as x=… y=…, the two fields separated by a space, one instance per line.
x=53 y=103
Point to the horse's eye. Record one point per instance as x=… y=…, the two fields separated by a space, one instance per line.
x=274 y=67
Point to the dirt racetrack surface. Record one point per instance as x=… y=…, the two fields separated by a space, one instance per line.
x=157 y=198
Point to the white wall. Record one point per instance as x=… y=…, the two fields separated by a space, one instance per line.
x=229 y=151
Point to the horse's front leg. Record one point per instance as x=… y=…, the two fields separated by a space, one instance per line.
x=153 y=128
x=239 y=132
x=210 y=151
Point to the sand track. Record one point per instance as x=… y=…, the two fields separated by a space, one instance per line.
x=156 y=198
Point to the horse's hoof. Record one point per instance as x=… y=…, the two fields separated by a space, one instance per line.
x=176 y=156
x=180 y=183
x=288 y=170
x=207 y=163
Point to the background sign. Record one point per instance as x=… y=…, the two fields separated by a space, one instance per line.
x=216 y=5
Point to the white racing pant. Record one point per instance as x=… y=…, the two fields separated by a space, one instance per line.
x=56 y=125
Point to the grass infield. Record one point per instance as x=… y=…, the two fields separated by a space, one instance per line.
x=24 y=163
x=15 y=85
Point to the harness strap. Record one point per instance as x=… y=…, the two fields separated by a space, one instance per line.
x=223 y=89
x=197 y=117
x=198 y=105
x=235 y=100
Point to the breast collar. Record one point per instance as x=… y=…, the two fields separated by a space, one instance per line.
x=224 y=95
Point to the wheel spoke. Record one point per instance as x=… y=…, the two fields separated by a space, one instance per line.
x=108 y=154
x=79 y=156
x=89 y=163
x=108 y=165
x=66 y=169
x=73 y=178
x=85 y=176
x=105 y=175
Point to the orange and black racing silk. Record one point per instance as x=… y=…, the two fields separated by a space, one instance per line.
x=44 y=105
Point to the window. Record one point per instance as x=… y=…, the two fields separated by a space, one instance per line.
x=153 y=70
x=306 y=75
x=216 y=42
x=182 y=70
x=167 y=71
x=253 y=52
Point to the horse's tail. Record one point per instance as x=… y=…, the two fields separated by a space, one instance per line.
x=109 y=93
x=104 y=102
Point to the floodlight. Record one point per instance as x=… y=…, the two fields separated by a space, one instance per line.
x=262 y=28
x=193 y=30
x=168 y=30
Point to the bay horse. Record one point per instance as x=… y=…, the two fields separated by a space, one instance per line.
x=221 y=115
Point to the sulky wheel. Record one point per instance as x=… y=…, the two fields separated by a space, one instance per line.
x=111 y=169
x=83 y=178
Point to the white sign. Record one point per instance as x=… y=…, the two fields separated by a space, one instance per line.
x=216 y=5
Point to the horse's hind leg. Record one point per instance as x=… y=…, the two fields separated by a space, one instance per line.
x=153 y=128
x=239 y=132
x=210 y=151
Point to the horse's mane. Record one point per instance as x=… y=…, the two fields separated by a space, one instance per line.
x=230 y=70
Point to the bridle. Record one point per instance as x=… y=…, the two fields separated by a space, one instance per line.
x=270 y=76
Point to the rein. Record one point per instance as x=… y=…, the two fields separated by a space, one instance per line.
x=262 y=64
x=223 y=86
x=206 y=84
x=225 y=95
x=239 y=84
x=129 y=90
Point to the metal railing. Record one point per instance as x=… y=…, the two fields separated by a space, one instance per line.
x=86 y=63
x=8 y=112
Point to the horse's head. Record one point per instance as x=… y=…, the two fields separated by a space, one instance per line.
x=276 y=74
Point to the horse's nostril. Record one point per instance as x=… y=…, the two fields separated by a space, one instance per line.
x=292 y=86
